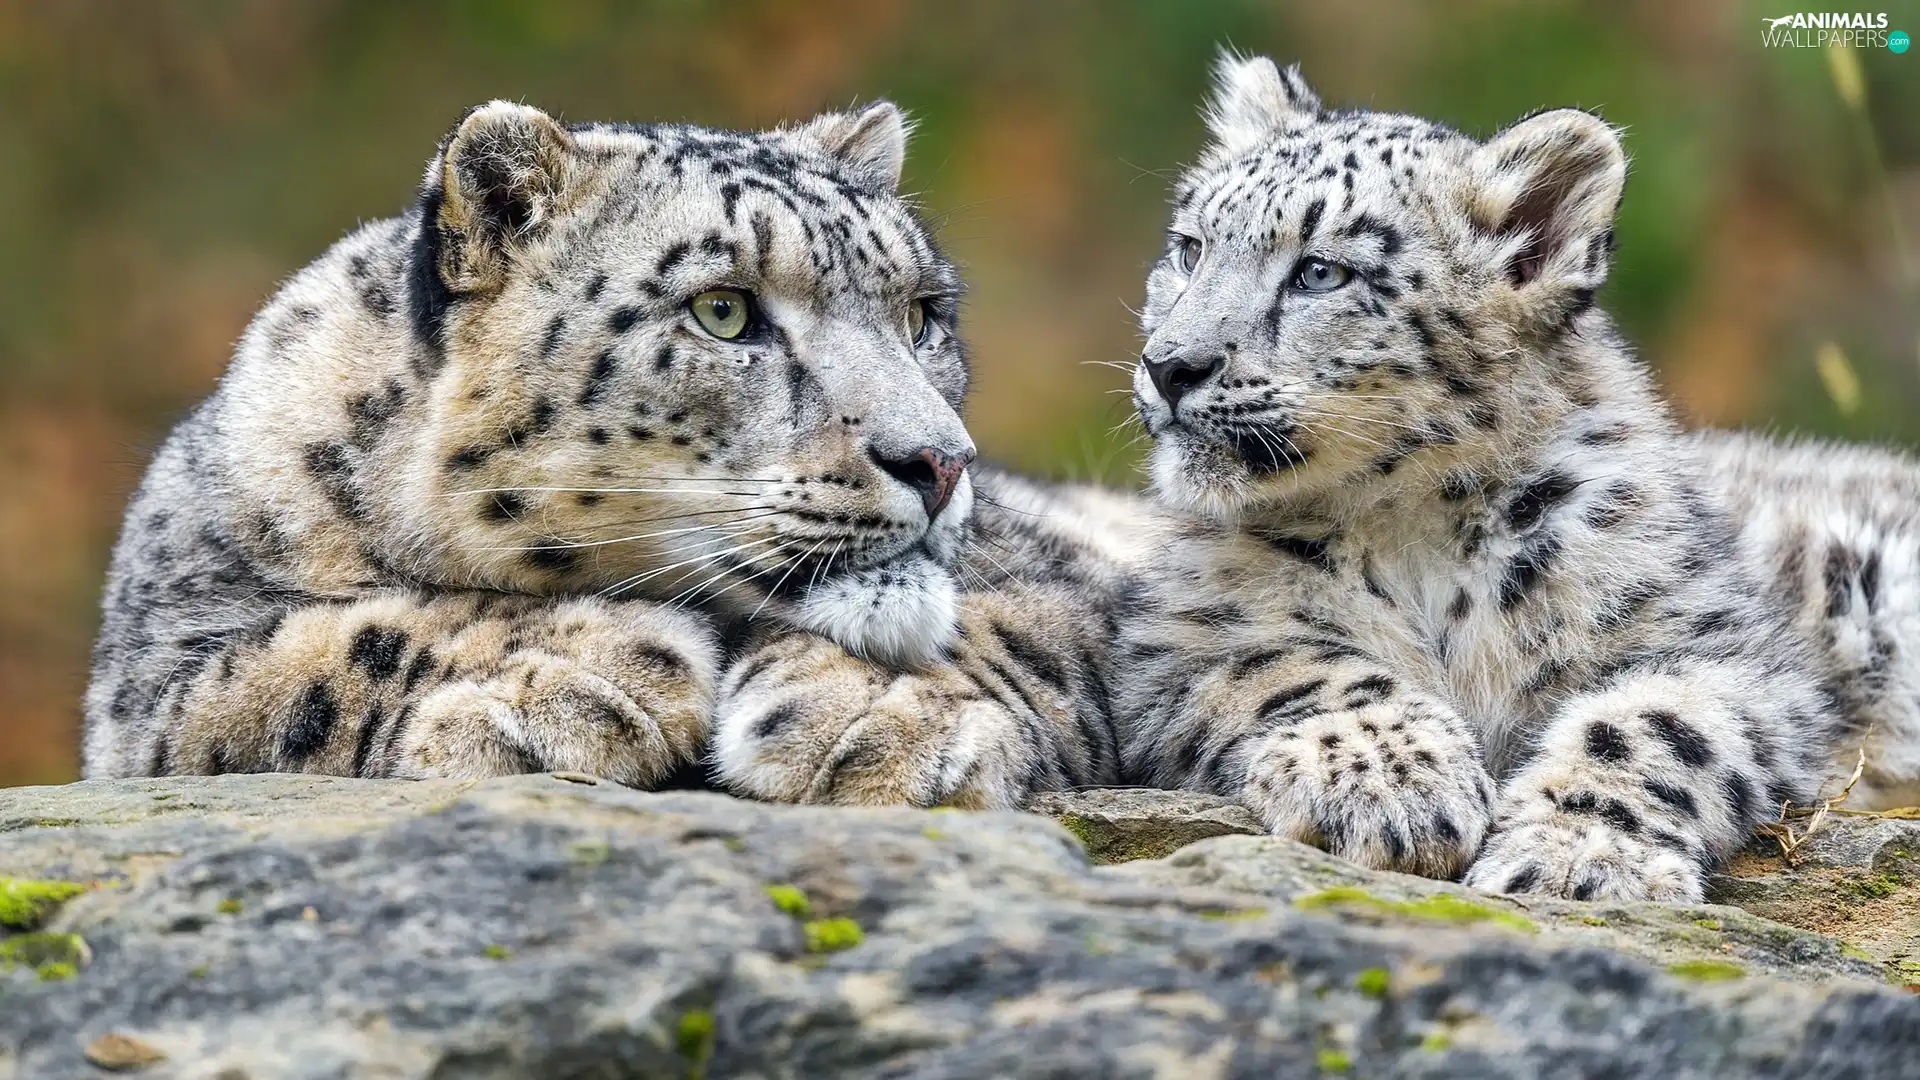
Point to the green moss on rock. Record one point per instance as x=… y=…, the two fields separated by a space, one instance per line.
x=1133 y=839
x=1373 y=982
x=52 y=956
x=1083 y=830
x=832 y=935
x=1871 y=886
x=694 y=1040
x=1706 y=970
x=1440 y=907
x=790 y=899
x=26 y=903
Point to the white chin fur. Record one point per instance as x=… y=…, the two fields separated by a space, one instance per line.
x=1217 y=492
x=908 y=622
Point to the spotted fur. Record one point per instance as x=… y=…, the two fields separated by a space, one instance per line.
x=1838 y=529
x=470 y=471
x=1019 y=704
x=1465 y=598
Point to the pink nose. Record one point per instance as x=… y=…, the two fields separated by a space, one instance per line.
x=933 y=473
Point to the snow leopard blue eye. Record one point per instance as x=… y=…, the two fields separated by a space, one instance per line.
x=1319 y=275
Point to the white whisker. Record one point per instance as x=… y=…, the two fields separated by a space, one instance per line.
x=622 y=586
x=657 y=518
x=795 y=565
x=643 y=536
x=690 y=594
x=610 y=491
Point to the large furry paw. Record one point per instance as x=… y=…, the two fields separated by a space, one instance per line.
x=803 y=720
x=616 y=690
x=1580 y=857
x=1384 y=785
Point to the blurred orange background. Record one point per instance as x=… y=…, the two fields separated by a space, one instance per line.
x=163 y=165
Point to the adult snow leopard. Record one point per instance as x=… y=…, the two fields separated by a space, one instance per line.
x=434 y=519
x=1467 y=598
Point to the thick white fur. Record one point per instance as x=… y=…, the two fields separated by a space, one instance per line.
x=1465 y=599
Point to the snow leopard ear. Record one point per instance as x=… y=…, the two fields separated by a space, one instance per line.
x=873 y=141
x=494 y=186
x=1253 y=98
x=1550 y=185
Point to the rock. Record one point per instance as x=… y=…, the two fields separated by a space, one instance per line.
x=267 y=926
x=1122 y=824
x=122 y=1053
x=1665 y=935
x=1856 y=879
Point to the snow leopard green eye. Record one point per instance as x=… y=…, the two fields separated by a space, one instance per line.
x=1319 y=275
x=1187 y=254
x=917 y=323
x=723 y=313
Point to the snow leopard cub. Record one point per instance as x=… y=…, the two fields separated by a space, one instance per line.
x=1465 y=599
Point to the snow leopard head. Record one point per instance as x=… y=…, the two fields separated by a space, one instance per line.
x=1352 y=295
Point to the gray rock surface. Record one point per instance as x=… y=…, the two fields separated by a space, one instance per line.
x=1857 y=879
x=260 y=927
x=1123 y=824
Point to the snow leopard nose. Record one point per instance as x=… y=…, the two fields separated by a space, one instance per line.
x=1175 y=376
x=932 y=472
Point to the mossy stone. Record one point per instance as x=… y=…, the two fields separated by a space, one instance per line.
x=790 y=899
x=1440 y=907
x=694 y=1039
x=1334 y=1061
x=1706 y=970
x=52 y=956
x=26 y=903
x=1373 y=982
x=832 y=935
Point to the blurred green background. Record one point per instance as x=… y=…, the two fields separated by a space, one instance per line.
x=164 y=164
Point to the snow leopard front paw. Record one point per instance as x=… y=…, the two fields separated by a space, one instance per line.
x=803 y=720
x=615 y=690
x=1579 y=857
x=1389 y=785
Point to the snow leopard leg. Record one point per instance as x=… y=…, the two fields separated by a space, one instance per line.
x=464 y=685
x=1638 y=786
x=1327 y=745
x=1018 y=708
